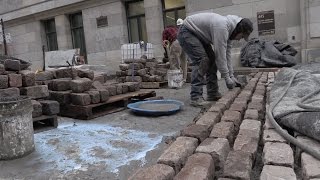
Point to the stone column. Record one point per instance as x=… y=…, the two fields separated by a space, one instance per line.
x=63 y=32
x=154 y=22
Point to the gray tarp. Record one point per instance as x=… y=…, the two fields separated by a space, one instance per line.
x=297 y=110
x=262 y=54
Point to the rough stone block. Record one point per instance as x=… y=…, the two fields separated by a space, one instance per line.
x=121 y=73
x=159 y=79
x=80 y=99
x=257 y=98
x=136 y=66
x=37 y=108
x=97 y=85
x=151 y=64
x=85 y=73
x=142 y=72
x=157 y=172
x=95 y=96
x=199 y=166
x=80 y=85
x=242 y=100
x=233 y=93
x=9 y=92
x=15 y=80
x=218 y=107
x=150 y=85
x=226 y=100
x=248 y=137
x=2 y=70
x=60 y=84
x=44 y=76
x=112 y=90
x=279 y=154
x=238 y=106
x=119 y=88
x=238 y=165
x=209 y=119
x=310 y=166
x=258 y=106
x=232 y=116
x=133 y=79
x=12 y=65
x=28 y=78
x=131 y=86
x=218 y=149
x=277 y=172
x=196 y=131
x=66 y=73
x=104 y=95
x=251 y=114
x=35 y=92
x=271 y=135
x=178 y=152
x=224 y=130
x=99 y=77
x=124 y=67
x=50 y=107
x=63 y=97
x=245 y=94
x=125 y=88
x=4 y=82
x=137 y=86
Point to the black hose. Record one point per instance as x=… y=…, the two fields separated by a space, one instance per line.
x=304 y=147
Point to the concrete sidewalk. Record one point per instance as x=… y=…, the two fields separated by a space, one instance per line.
x=110 y=147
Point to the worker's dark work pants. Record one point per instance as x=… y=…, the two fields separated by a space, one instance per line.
x=203 y=62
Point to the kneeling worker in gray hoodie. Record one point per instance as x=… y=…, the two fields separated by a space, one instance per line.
x=206 y=39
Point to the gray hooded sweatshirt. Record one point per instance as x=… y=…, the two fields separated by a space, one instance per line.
x=215 y=29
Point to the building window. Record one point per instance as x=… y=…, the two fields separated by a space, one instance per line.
x=136 y=21
x=51 y=34
x=77 y=33
x=172 y=10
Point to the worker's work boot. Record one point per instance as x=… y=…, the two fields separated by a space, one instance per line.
x=214 y=97
x=200 y=103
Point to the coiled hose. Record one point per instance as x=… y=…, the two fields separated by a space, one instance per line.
x=304 y=147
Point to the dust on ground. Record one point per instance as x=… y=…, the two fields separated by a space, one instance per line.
x=109 y=147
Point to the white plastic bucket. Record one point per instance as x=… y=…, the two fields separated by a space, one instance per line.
x=175 y=78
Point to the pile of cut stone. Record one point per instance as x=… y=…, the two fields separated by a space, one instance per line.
x=142 y=70
x=16 y=80
x=82 y=87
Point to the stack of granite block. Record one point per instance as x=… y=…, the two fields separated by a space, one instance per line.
x=142 y=70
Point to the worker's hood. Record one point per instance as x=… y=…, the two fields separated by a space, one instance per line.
x=232 y=21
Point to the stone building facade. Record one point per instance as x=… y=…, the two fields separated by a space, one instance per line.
x=100 y=27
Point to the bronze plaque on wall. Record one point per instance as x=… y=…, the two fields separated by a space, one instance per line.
x=266 y=25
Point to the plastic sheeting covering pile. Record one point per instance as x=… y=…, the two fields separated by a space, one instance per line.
x=295 y=103
x=258 y=53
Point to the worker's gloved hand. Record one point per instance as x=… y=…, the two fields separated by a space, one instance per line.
x=237 y=83
x=229 y=82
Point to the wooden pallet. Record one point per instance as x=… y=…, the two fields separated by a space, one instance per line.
x=114 y=104
x=153 y=85
x=44 y=123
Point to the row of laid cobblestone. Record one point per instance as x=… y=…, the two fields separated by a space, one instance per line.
x=220 y=144
x=240 y=160
x=277 y=156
